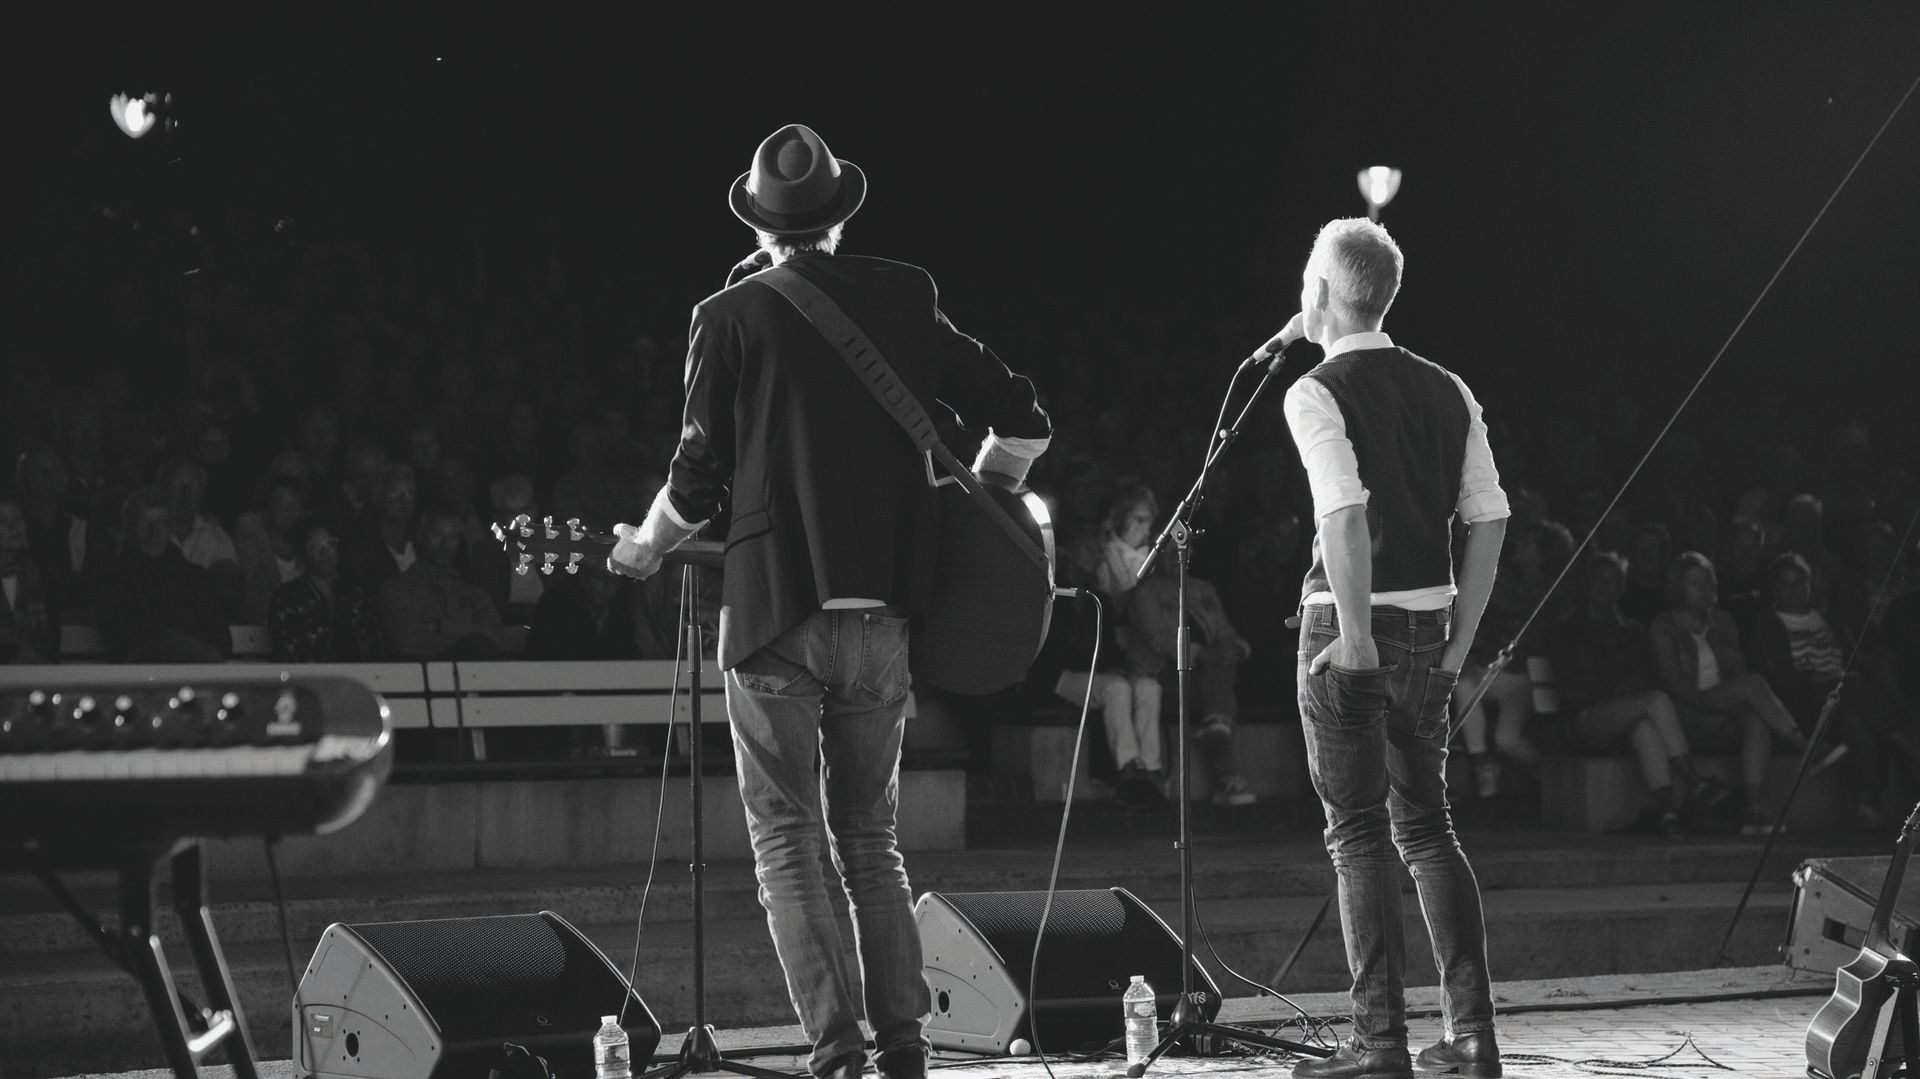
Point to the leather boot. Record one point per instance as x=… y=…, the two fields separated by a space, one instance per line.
x=1351 y=1061
x=1476 y=1056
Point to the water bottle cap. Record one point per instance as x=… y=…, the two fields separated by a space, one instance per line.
x=609 y=1019
x=1139 y=978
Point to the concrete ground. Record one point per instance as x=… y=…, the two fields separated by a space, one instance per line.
x=1708 y=1024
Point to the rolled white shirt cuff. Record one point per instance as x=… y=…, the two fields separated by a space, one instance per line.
x=1008 y=456
x=665 y=501
x=1484 y=506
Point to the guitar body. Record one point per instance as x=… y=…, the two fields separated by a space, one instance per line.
x=1843 y=1033
x=1848 y=1036
x=991 y=603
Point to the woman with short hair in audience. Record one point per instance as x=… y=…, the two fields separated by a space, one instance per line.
x=155 y=606
x=1125 y=538
x=317 y=617
x=1696 y=652
x=1603 y=668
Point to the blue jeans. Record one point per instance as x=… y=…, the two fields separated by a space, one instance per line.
x=1377 y=752
x=833 y=688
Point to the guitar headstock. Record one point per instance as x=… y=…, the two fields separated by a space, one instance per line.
x=547 y=546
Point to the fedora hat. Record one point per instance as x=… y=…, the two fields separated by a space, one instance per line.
x=796 y=185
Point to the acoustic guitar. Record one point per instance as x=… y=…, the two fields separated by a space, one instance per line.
x=991 y=605
x=1847 y=1038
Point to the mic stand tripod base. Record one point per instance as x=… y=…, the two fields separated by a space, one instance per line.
x=700 y=1054
x=1188 y=1023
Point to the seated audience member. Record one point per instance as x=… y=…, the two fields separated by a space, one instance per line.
x=1804 y=659
x=28 y=634
x=1529 y=565
x=587 y=615
x=381 y=544
x=428 y=612
x=346 y=495
x=592 y=489
x=1125 y=538
x=1696 y=653
x=316 y=617
x=1744 y=590
x=1218 y=650
x=201 y=539
x=211 y=447
x=154 y=605
x=1804 y=532
x=514 y=594
x=1604 y=669
x=318 y=442
x=1647 y=562
x=268 y=549
x=68 y=550
x=1129 y=704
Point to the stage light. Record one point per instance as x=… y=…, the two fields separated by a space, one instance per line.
x=135 y=116
x=1378 y=185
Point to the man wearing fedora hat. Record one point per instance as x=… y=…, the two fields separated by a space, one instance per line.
x=828 y=553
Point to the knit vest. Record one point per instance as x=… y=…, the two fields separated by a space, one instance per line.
x=1408 y=424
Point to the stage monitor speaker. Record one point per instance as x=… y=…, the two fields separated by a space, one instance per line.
x=979 y=951
x=1833 y=902
x=437 y=999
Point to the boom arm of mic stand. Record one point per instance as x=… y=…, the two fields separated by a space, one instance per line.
x=1191 y=503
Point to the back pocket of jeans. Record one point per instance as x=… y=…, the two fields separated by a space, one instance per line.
x=1436 y=702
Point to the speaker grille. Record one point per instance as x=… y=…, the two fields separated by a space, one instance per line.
x=519 y=974
x=1095 y=940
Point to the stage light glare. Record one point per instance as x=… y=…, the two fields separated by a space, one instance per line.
x=131 y=115
x=1378 y=185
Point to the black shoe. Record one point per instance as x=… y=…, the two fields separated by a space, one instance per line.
x=1137 y=791
x=1476 y=1056
x=1350 y=1061
x=902 y=1062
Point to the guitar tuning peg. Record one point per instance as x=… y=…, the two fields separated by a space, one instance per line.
x=574 y=531
x=525 y=563
x=547 y=563
x=573 y=562
x=546 y=524
x=523 y=526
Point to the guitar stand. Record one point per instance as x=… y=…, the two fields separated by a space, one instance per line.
x=1903 y=1007
x=699 y=1050
x=187 y=1034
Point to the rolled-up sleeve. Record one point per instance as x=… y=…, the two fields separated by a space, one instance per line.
x=703 y=464
x=1481 y=497
x=1320 y=434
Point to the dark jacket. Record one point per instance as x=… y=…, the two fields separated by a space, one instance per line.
x=828 y=498
x=1677 y=659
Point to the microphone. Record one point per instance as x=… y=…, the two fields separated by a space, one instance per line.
x=1277 y=344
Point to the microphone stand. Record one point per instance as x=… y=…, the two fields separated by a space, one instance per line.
x=1189 y=1023
x=700 y=1051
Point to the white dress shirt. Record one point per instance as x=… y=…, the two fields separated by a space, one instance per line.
x=1333 y=472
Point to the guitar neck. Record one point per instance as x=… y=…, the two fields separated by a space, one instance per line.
x=706 y=554
x=1879 y=931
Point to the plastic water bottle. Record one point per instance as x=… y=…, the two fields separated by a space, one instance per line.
x=1143 y=1015
x=612 y=1057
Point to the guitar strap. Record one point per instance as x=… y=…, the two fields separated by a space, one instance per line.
x=877 y=375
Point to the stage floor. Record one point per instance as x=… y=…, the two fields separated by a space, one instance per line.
x=1746 y=1022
